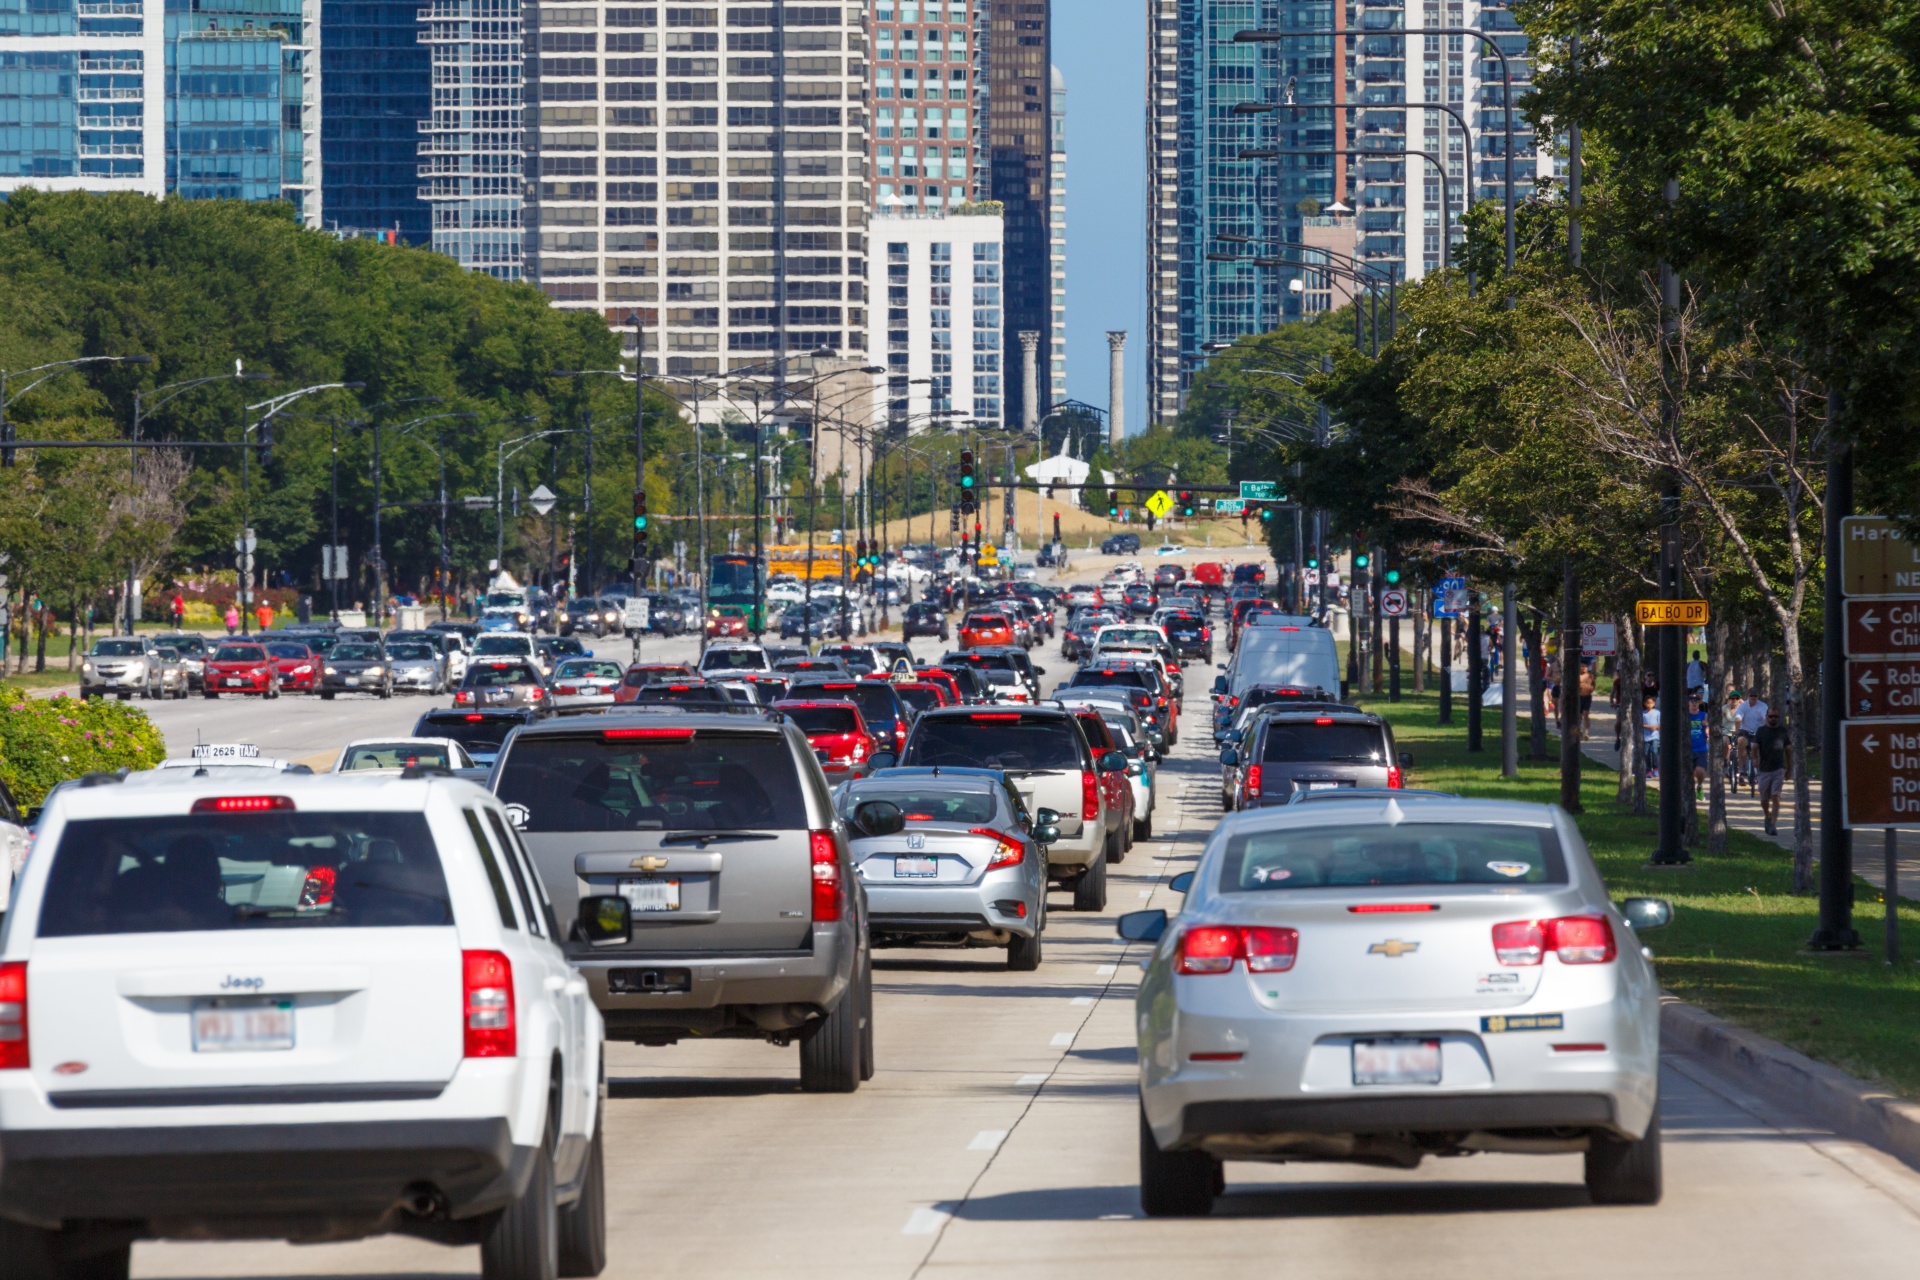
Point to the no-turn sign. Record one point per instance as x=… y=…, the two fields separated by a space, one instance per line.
x=1393 y=602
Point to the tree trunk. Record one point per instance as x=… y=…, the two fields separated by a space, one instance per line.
x=1716 y=739
x=1421 y=628
x=1633 y=712
x=1797 y=720
x=40 y=639
x=1626 y=686
x=73 y=631
x=1537 y=693
x=1570 y=669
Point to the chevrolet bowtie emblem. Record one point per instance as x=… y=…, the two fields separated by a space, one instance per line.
x=1393 y=947
x=650 y=863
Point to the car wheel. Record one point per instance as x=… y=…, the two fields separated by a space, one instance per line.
x=830 y=1053
x=33 y=1253
x=869 y=1062
x=1090 y=887
x=582 y=1225
x=1625 y=1170
x=210 y=693
x=386 y=692
x=1175 y=1184
x=1023 y=954
x=522 y=1243
x=1143 y=829
x=126 y=696
x=327 y=696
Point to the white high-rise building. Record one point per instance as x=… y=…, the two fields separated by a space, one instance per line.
x=941 y=280
x=702 y=167
x=470 y=150
x=1057 y=243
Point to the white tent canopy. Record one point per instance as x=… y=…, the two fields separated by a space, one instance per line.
x=1060 y=469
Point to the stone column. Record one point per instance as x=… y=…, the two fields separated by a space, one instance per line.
x=1116 y=387
x=1030 y=380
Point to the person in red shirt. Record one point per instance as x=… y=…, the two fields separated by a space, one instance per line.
x=179 y=611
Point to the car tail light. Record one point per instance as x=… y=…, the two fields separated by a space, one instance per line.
x=1574 y=939
x=1391 y=908
x=1323 y=719
x=475 y=719
x=241 y=804
x=1269 y=950
x=826 y=877
x=317 y=891
x=1215 y=948
x=1089 y=796
x=1253 y=780
x=489 y=1005
x=1210 y=949
x=1010 y=852
x=462 y=697
x=671 y=735
x=566 y=689
x=536 y=692
x=13 y=1016
x=1393 y=776
x=994 y=715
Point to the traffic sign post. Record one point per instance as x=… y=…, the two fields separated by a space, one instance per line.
x=1450 y=598
x=1260 y=491
x=1885 y=627
x=1880 y=770
x=1671 y=613
x=1598 y=639
x=1877 y=558
x=1160 y=503
x=1393 y=603
x=1230 y=506
x=1883 y=687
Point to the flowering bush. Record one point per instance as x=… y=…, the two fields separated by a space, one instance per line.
x=47 y=740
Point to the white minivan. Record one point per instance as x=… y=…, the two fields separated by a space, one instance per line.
x=1299 y=655
x=246 y=1004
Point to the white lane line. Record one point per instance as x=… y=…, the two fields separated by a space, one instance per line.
x=1105 y=969
x=1063 y=1039
x=1081 y=1001
x=1029 y=1081
x=987 y=1140
x=925 y=1222
x=1146 y=893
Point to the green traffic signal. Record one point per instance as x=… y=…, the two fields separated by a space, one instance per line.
x=1266 y=514
x=1393 y=577
x=639 y=524
x=1360 y=560
x=1313 y=562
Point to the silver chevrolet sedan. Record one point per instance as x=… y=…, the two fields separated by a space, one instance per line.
x=1375 y=982
x=954 y=860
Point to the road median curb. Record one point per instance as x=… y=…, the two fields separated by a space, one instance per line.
x=1845 y=1104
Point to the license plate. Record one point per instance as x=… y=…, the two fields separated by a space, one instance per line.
x=235 y=684
x=651 y=895
x=916 y=868
x=1396 y=1062
x=353 y=679
x=1325 y=786
x=242 y=1026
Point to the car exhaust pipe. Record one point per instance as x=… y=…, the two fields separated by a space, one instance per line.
x=423 y=1200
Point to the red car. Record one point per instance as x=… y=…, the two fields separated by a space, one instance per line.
x=978 y=629
x=1119 y=790
x=923 y=695
x=242 y=668
x=642 y=674
x=727 y=622
x=944 y=679
x=836 y=729
x=299 y=666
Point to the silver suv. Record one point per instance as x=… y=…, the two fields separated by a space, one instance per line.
x=711 y=879
x=122 y=666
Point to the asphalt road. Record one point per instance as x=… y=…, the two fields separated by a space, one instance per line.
x=998 y=1138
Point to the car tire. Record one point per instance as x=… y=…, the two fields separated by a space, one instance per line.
x=582 y=1225
x=830 y=1052
x=34 y=1253
x=386 y=692
x=327 y=696
x=869 y=1061
x=1090 y=887
x=1023 y=954
x=1143 y=829
x=1175 y=1184
x=1625 y=1170
x=522 y=1243
x=212 y=693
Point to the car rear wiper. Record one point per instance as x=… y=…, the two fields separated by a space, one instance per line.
x=702 y=837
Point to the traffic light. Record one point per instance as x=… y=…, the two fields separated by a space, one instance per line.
x=1359 y=560
x=1313 y=561
x=1186 y=504
x=1113 y=505
x=1393 y=577
x=967 y=480
x=860 y=554
x=266 y=443
x=640 y=525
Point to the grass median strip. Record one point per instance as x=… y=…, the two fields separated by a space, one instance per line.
x=1735 y=945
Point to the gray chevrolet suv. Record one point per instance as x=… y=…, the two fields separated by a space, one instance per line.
x=1289 y=751
x=707 y=878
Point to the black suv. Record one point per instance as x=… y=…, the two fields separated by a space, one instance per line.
x=1121 y=544
x=923 y=619
x=1289 y=751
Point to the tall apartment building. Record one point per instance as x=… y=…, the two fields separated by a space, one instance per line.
x=470 y=146
x=1056 y=379
x=146 y=96
x=940 y=279
x=377 y=92
x=1018 y=124
x=701 y=166
x=1199 y=187
x=922 y=94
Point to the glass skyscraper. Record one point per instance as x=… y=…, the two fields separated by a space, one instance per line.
x=469 y=151
x=378 y=92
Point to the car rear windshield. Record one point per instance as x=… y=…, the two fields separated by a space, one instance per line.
x=874 y=699
x=996 y=740
x=239 y=653
x=920 y=698
x=980 y=661
x=581 y=668
x=244 y=871
x=501 y=644
x=927 y=804
x=118 y=648
x=733 y=660
x=395 y=755
x=1098 y=679
x=357 y=653
x=1337 y=743
x=700 y=693
x=500 y=675
x=1410 y=853
x=412 y=652
x=641 y=677
x=985 y=620
x=811 y=720
x=477 y=733
x=706 y=781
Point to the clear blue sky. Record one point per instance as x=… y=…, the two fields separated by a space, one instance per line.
x=1100 y=47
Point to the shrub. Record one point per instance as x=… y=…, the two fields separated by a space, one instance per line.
x=44 y=741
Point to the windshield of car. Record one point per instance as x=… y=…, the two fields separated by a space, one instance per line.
x=289 y=650
x=812 y=720
x=985 y=621
x=117 y=649
x=205 y=872
x=980 y=661
x=996 y=740
x=1410 y=853
x=394 y=755
x=563 y=645
x=704 y=781
x=1337 y=743
x=239 y=653
x=732 y=660
x=925 y=804
x=500 y=675
x=503 y=600
x=919 y=697
x=488 y=645
x=411 y=652
x=356 y=653
x=581 y=668
x=1131 y=637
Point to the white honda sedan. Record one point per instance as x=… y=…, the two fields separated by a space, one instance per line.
x=1377 y=981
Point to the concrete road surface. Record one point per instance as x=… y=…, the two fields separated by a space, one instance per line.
x=998 y=1140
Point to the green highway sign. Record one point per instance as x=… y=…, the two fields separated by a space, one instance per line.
x=1260 y=491
x=1229 y=506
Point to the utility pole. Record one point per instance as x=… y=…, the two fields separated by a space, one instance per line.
x=1676 y=780
x=1509 y=676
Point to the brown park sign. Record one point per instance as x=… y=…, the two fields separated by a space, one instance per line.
x=1880 y=771
x=1883 y=687
x=1883 y=627
x=1877 y=558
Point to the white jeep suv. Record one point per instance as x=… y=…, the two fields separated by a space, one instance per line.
x=241 y=1004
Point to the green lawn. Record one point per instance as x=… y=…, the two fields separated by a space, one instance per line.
x=1734 y=946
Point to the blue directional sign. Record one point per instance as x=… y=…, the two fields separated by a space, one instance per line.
x=1450 y=598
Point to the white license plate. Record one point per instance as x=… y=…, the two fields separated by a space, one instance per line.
x=651 y=895
x=1394 y=1062
x=235 y=684
x=353 y=679
x=242 y=1026
x=1323 y=786
x=916 y=868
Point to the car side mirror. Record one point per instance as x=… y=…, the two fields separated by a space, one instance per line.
x=1047 y=833
x=879 y=818
x=1182 y=883
x=1113 y=762
x=1230 y=757
x=1142 y=926
x=1039 y=671
x=883 y=760
x=1219 y=684
x=1406 y=759
x=1647 y=913
x=1234 y=735
x=605 y=921
x=33 y=813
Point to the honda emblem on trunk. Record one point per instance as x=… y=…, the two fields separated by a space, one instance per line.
x=916 y=841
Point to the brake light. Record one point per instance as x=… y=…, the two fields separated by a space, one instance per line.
x=1269 y=950
x=536 y=692
x=1089 y=796
x=1323 y=720
x=461 y=697
x=241 y=804
x=488 y=977
x=318 y=889
x=13 y=1016
x=1391 y=908
x=994 y=715
x=475 y=719
x=1393 y=776
x=1010 y=852
x=1215 y=948
x=826 y=877
x=1574 y=939
x=566 y=689
x=1286 y=628
x=1253 y=779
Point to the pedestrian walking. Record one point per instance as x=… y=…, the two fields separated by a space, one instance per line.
x=179 y=611
x=1650 y=734
x=1697 y=676
x=1772 y=756
x=1697 y=740
x=264 y=615
x=1586 y=699
x=232 y=619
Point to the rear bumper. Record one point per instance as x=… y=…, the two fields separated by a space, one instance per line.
x=1438 y=1113
x=718 y=992
x=332 y=1180
x=928 y=910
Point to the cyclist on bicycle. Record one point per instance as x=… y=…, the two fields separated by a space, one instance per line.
x=1752 y=715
